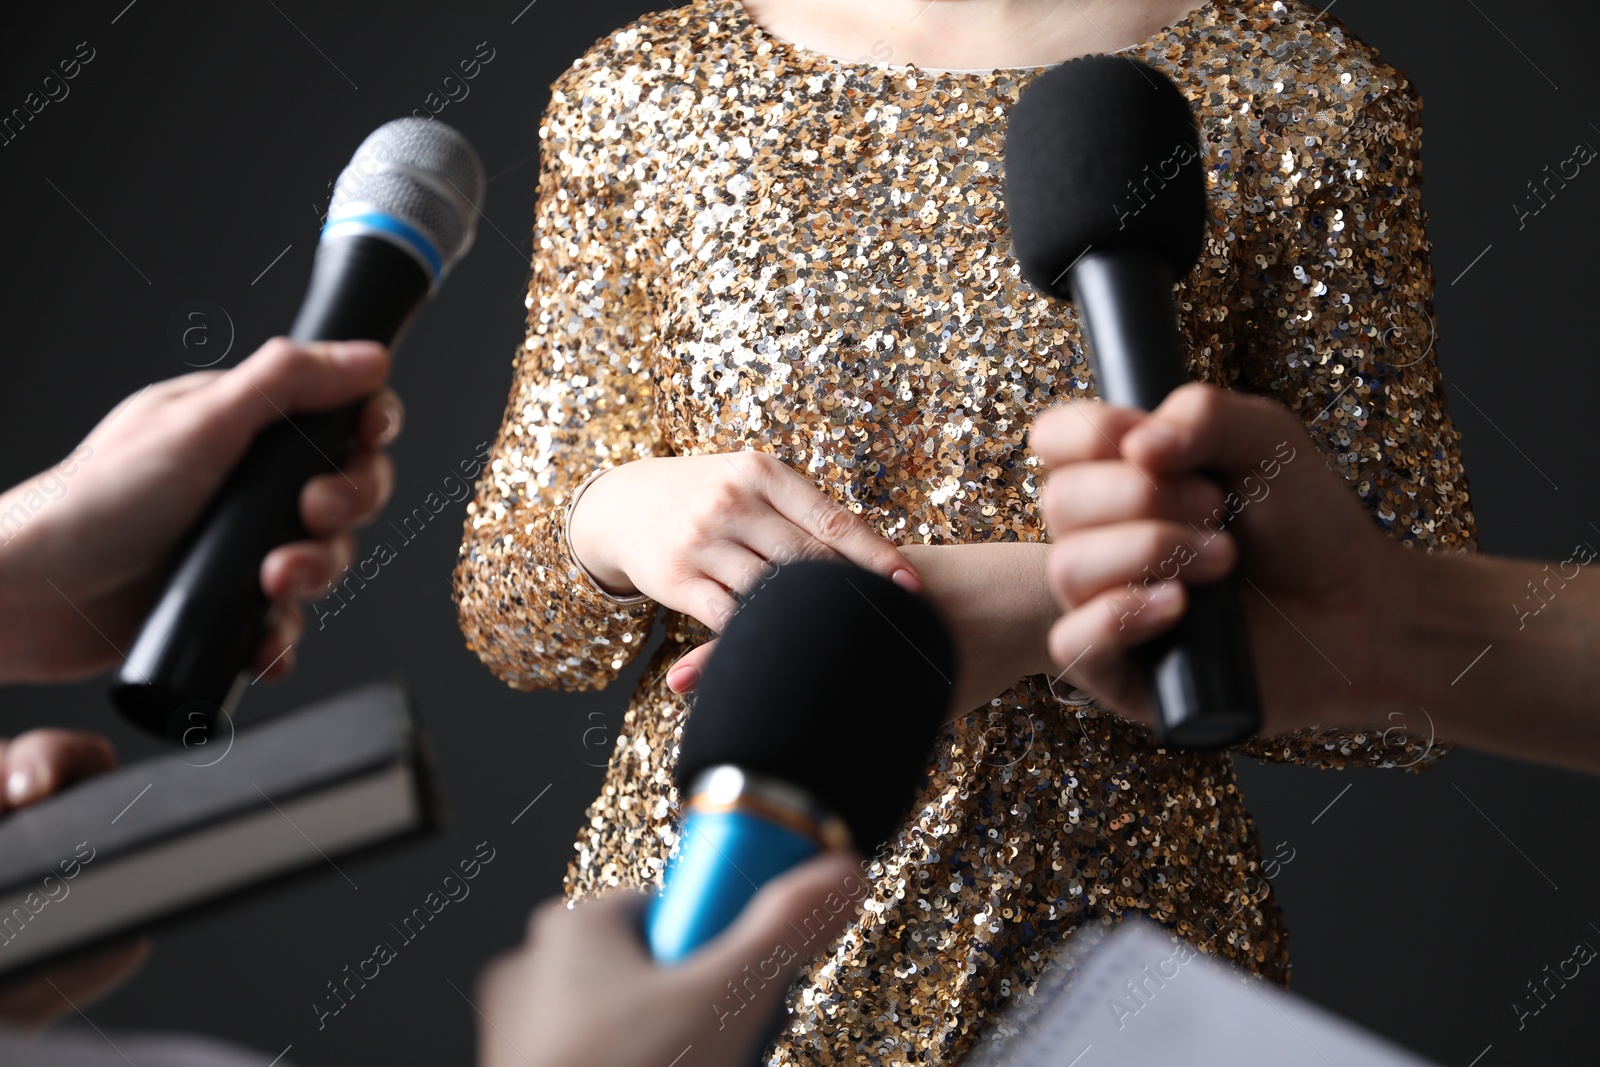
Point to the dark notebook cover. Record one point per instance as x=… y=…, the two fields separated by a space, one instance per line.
x=304 y=754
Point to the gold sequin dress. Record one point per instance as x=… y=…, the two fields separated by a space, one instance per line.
x=740 y=243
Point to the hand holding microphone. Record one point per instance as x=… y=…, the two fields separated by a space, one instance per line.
x=1125 y=487
x=1106 y=201
x=402 y=214
x=582 y=991
x=84 y=546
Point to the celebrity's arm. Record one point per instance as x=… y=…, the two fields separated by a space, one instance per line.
x=690 y=531
x=997 y=602
x=581 y=400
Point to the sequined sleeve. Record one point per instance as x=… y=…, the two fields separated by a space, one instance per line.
x=581 y=399
x=1341 y=328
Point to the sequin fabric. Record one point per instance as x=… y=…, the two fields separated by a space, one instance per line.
x=740 y=243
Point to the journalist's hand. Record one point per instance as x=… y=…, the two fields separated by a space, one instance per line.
x=85 y=546
x=33 y=766
x=1134 y=503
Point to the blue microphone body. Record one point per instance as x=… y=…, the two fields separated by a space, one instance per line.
x=705 y=890
x=780 y=760
x=740 y=832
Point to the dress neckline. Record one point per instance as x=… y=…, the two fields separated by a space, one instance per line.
x=739 y=19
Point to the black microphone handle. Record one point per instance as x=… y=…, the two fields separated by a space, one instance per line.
x=188 y=662
x=1201 y=675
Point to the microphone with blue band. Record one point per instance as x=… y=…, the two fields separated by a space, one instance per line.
x=386 y=227
x=755 y=827
x=416 y=185
x=402 y=214
x=811 y=730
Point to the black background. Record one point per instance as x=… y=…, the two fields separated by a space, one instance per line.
x=201 y=141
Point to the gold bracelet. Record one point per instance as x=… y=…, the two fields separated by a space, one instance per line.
x=566 y=540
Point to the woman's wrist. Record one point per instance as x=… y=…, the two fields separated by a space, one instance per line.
x=1001 y=586
x=1042 y=610
x=1433 y=621
x=583 y=533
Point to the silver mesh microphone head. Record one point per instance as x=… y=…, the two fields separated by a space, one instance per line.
x=419 y=173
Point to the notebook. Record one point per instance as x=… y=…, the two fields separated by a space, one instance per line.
x=167 y=836
x=1137 y=996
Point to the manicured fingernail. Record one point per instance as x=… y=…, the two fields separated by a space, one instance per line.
x=682 y=679
x=907 y=580
x=21 y=785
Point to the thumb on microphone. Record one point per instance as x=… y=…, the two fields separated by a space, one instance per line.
x=284 y=378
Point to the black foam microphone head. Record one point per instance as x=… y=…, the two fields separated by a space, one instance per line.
x=831 y=679
x=1102 y=152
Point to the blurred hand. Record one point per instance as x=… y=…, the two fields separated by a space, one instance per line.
x=691 y=531
x=584 y=991
x=32 y=767
x=85 y=546
x=1129 y=501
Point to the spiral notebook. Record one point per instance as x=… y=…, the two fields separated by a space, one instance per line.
x=1135 y=995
